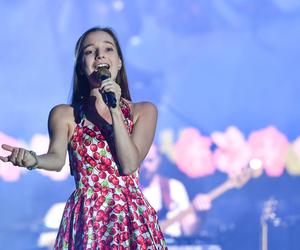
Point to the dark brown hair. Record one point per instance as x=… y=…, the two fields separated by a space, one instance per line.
x=81 y=89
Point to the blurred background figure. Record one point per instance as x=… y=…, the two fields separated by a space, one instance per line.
x=169 y=196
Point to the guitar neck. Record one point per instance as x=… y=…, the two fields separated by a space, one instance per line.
x=219 y=190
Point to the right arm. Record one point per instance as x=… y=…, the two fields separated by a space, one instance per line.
x=54 y=159
x=58 y=126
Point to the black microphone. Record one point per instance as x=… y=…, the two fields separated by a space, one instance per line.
x=109 y=97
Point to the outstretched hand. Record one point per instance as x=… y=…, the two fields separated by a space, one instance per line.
x=18 y=157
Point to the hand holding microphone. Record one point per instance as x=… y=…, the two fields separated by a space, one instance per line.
x=109 y=97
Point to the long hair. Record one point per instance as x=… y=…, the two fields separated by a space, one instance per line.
x=81 y=89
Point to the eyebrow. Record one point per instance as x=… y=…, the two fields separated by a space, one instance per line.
x=91 y=44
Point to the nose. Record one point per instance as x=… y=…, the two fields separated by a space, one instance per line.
x=98 y=55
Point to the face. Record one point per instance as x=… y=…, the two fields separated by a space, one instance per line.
x=99 y=48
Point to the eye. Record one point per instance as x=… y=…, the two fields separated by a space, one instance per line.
x=109 y=49
x=88 y=52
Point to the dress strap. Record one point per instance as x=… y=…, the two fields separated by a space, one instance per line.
x=126 y=110
x=80 y=116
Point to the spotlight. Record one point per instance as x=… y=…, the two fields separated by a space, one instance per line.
x=255 y=164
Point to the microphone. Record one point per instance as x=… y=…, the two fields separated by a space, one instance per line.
x=109 y=97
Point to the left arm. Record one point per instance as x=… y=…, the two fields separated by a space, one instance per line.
x=132 y=149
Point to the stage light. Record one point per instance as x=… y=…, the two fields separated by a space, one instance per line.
x=118 y=5
x=255 y=163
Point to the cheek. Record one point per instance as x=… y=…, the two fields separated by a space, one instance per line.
x=86 y=71
x=86 y=66
x=114 y=74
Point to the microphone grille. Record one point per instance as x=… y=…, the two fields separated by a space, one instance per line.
x=103 y=73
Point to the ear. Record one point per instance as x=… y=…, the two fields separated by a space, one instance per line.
x=120 y=64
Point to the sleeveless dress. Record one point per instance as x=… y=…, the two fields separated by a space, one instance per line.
x=107 y=210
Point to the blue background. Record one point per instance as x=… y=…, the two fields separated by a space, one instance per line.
x=207 y=64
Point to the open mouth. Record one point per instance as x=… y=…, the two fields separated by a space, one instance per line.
x=102 y=65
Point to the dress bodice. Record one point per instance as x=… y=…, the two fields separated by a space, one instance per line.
x=92 y=154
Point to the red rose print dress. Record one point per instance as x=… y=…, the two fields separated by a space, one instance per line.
x=107 y=210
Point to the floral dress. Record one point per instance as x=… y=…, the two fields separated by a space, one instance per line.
x=107 y=210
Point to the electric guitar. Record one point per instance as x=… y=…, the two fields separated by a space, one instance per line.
x=236 y=181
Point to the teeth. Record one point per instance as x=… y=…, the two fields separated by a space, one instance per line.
x=103 y=65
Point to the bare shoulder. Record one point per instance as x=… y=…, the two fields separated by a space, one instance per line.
x=144 y=109
x=63 y=112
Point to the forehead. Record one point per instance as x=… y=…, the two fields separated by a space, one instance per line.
x=98 y=37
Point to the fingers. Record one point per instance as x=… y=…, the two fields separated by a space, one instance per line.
x=20 y=157
x=111 y=86
x=7 y=147
x=5 y=159
x=16 y=157
x=13 y=157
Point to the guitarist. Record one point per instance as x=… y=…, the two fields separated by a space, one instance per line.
x=169 y=197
